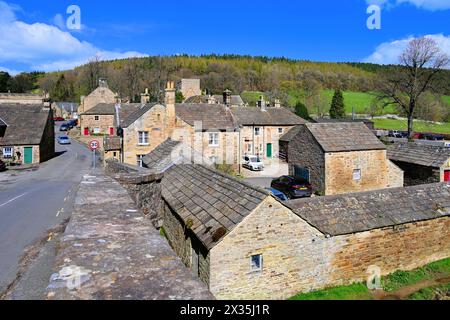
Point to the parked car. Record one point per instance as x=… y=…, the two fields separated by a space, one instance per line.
x=293 y=187
x=277 y=193
x=253 y=163
x=72 y=123
x=58 y=119
x=64 y=127
x=2 y=166
x=64 y=140
x=433 y=137
x=398 y=134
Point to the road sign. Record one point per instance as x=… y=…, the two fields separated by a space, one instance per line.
x=94 y=145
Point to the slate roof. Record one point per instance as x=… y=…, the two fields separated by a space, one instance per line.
x=291 y=134
x=212 y=116
x=344 y=136
x=210 y=203
x=26 y=124
x=68 y=106
x=359 y=212
x=250 y=116
x=128 y=112
x=424 y=155
x=160 y=158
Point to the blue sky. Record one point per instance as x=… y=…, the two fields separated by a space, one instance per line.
x=34 y=34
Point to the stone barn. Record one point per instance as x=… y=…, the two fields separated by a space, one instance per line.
x=341 y=158
x=421 y=163
x=244 y=244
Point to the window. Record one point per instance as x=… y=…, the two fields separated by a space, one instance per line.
x=143 y=138
x=249 y=148
x=256 y=263
x=140 y=160
x=280 y=130
x=357 y=174
x=257 y=132
x=213 y=139
x=7 y=152
x=96 y=130
x=97 y=118
x=214 y=160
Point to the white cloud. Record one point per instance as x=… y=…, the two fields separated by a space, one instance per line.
x=389 y=52
x=432 y=5
x=45 y=47
x=11 y=72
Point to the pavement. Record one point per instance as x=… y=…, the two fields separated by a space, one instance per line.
x=32 y=202
x=263 y=179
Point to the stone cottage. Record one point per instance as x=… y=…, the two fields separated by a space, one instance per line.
x=27 y=133
x=100 y=95
x=421 y=163
x=341 y=158
x=189 y=88
x=244 y=244
x=227 y=98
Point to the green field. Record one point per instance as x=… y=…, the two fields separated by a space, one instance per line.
x=419 y=126
x=391 y=283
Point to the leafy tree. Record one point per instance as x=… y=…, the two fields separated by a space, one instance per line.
x=337 y=110
x=302 y=111
x=179 y=98
x=62 y=90
x=4 y=79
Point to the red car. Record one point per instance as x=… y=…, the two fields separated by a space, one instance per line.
x=58 y=119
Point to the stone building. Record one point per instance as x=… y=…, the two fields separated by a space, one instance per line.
x=23 y=98
x=422 y=164
x=244 y=244
x=341 y=158
x=66 y=110
x=227 y=98
x=189 y=87
x=100 y=95
x=27 y=134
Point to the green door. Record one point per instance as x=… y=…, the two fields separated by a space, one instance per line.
x=269 y=150
x=28 y=156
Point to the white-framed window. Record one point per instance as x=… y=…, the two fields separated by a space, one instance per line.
x=357 y=174
x=96 y=130
x=140 y=160
x=280 y=130
x=7 y=152
x=257 y=131
x=143 y=138
x=256 y=263
x=213 y=139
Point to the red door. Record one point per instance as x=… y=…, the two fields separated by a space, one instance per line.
x=447 y=176
x=86 y=131
x=111 y=131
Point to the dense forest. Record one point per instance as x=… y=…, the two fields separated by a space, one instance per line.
x=274 y=76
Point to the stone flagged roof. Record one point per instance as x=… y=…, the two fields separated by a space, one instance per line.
x=68 y=106
x=360 y=212
x=130 y=117
x=210 y=203
x=211 y=116
x=112 y=143
x=342 y=137
x=424 y=155
x=161 y=158
x=117 y=253
x=250 y=116
x=236 y=100
x=25 y=123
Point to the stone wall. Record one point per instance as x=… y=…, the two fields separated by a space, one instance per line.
x=143 y=186
x=395 y=176
x=189 y=87
x=47 y=146
x=298 y=258
x=417 y=174
x=306 y=153
x=104 y=123
x=340 y=166
x=99 y=95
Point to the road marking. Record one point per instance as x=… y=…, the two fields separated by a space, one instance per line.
x=13 y=199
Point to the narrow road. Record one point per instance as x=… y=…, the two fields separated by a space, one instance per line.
x=32 y=202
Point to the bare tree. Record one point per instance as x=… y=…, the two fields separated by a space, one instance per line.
x=420 y=62
x=94 y=72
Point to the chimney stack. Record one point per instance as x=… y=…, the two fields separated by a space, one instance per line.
x=145 y=97
x=102 y=83
x=227 y=98
x=170 y=96
x=262 y=104
x=277 y=103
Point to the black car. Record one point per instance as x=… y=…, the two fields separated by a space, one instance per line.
x=64 y=127
x=294 y=188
